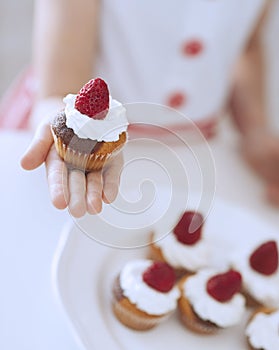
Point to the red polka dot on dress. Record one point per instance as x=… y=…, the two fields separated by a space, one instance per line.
x=192 y=47
x=176 y=99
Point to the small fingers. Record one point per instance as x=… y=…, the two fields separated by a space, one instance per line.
x=94 y=192
x=57 y=177
x=77 y=193
x=111 y=179
x=39 y=147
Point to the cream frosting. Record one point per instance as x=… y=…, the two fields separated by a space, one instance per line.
x=108 y=129
x=139 y=293
x=179 y=255
x=261 y=287
x=263 y=330
x=223 y=314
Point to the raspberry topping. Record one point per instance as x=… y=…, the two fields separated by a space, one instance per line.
x=265 y=258
x=159 y=276
x=222 y=287
x=189 y=228
x=93 y=99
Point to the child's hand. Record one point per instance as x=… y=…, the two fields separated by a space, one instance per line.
x=261 y=150
x=72 y=188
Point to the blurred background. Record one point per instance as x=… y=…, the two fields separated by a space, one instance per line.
x=270 y=37
x=16 y=20
x=15 y=38
x=16 y=43
x=35 y=298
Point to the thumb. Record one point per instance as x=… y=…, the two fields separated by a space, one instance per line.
x=39 y=147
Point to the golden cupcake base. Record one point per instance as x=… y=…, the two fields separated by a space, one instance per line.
x=89 y=161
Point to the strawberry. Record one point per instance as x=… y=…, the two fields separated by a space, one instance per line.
x=189 y=228
x=159 y=276
x=222 y=287
x=265 y=258
x=93 y=99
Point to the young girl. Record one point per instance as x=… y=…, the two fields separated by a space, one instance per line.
x=179 y=53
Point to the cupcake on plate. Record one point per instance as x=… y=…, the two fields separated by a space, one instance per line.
x=262 y=331
x=184 y=248
x=211 y=301
x=91 y=129
x=260 y=272
x=144 y=294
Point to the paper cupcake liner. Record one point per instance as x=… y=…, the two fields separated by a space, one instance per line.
x=129 y=315
x=79 y=160
x=192 y=321
x=133 y=319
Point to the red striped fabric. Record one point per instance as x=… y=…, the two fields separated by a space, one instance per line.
x=16 y=104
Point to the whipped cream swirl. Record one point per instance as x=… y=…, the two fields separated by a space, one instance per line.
x=108 y=129
x=139 y=293
x=262 y=331
x=261 y=287
x=223 y=314
x=179 y=255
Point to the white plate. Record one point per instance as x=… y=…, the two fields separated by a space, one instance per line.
x=83 y=271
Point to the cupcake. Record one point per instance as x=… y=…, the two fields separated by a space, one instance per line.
x=144 y=294
x=211 y=301
x=184 y=248
x=262 y=331
x=91 y=129
x=259 y=269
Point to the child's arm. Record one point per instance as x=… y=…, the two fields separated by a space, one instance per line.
x=248 y=106
x=65 y=41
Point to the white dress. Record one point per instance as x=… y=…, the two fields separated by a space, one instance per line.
x=179 y=53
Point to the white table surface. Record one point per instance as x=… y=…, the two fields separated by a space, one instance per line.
x=30 y=318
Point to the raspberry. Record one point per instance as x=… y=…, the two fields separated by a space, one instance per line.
x=160 y=276
x=93 y=99
x=265 y=258
x=189 y=228
x=222 y=287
